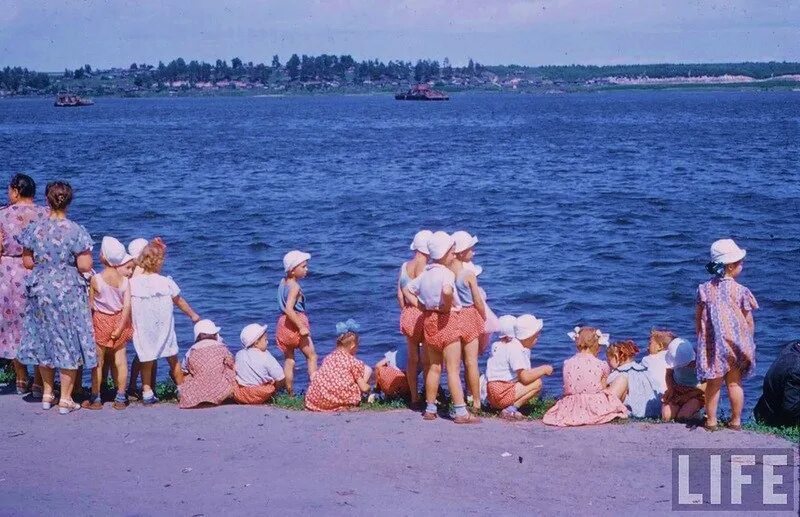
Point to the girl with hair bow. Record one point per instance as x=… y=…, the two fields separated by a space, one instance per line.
x=339 y=382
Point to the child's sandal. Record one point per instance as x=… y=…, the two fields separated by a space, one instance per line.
x=65 y=408
x=22 y=388
x=468 y=419
x=47 y=401
x=36 y=391
x=427 y=415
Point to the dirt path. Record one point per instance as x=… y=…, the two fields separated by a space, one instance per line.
x=238 y=460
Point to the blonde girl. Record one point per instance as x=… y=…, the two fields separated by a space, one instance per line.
x=655 y=361
x=293 y=329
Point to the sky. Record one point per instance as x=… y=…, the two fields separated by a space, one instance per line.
x=55 y=34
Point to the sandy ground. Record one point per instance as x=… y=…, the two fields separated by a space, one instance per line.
x=238 y=460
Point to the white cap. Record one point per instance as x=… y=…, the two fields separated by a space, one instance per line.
x=506 y=325
x=679 y=353
x=420 y=242
x=114 y=252
x=136 y=246
x=439 y=244
x=205 y=327
x=526 y=326
x=726 y=251
x=251 y=333
x=293 y=259
x=464 y=241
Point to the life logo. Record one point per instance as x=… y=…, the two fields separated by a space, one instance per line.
x=735 y=479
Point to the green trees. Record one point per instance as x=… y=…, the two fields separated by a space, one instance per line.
x=18 y=79
x=293 y=67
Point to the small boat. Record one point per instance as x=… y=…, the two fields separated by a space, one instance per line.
x=68 y=100
x=422 y=92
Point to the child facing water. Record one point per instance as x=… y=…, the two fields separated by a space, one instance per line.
x=293 y=331
x=258 y=374
x=684 y=396
x=641 y=398
x=655 y=361
x=726 y=349
x=152 y=299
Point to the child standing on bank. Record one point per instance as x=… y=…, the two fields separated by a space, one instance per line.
x=341 y=380
x=293 y=330
x=110 y=301
x=726 y=349
x=152 y=298
x=258 y=374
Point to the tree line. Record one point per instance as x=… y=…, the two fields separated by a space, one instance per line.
x=18 y=78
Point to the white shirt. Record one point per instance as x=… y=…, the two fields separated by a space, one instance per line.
x=507 y=358
x=428 y=286
x=152 y=316
x=657 y=370
x=255 y=367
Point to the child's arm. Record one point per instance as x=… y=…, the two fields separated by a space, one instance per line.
x=184 y=306
x=447 y=299
x=531 y=375
x=126 y=315
x=291 y=299
x=400 y=297
x=382 y=362
x=83 y=261
x=92 y=291
x=411 y=298
x=477 y=298
x=27 y=259
x=363 y=381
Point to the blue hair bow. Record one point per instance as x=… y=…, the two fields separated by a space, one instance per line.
x=347 y=326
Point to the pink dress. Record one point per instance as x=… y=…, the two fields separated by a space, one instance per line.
x=211 y=376
x=13 y=219
x=586 y=400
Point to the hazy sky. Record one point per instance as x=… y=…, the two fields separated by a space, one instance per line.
x=51 y=35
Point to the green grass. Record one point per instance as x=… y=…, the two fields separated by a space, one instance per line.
x=6 y=372
x=790 y=433
x=536 y=408
x=166 y=391
x=285 y=401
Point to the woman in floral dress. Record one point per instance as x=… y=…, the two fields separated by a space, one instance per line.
x=57 y=326
x=20 y=212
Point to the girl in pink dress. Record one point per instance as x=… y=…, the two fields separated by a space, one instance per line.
x=587 y=398
x=20 y=212
x=209 y=366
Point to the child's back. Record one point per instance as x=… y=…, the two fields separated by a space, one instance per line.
x=152 y=314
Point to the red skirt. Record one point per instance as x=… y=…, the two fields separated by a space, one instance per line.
x=440 y=329
x=258 y=394
x=105 y=324
x=287 y=335
x=411 y=323
x=391 y=381
x=501 y=394
x=471 y=324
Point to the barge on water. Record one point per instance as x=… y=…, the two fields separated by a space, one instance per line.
x=68 y=100
x=422 y=92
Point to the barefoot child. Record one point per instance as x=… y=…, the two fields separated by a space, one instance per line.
x=472 y=315
x=511 y=380
x=434 y=292
x=258 y=374
x=292 y=331
x=641 y=399
x=588 y=398
x=684 y=396
x=726 y=350
x=390 y=374
x=655 y=361
x=110 y=301
x=411 y=315
x=342 y=379
x=152 y=300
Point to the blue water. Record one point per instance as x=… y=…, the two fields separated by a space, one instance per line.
x=595 y=208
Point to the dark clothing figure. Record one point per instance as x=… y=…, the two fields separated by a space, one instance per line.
x=779 y=404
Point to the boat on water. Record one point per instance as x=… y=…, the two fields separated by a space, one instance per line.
x=68 y=100
x=422 y=92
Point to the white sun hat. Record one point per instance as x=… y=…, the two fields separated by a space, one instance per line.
x=420 y=242
x=439 y=244
x=506 y=325
x=114 y=252
x=679 y=353
x=252 y=333
x=205 y=327
x=464 y=241
x=726 y=251
x=136 y=246
x=526 y=326
x=293 y=259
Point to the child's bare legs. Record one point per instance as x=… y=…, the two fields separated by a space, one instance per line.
x=525 y=392
x=735 y=392
x=688 y=410
x=307 y=347
x=175 y=370
x=37 y=377
x=619 y=387
x=452 y=358
x=412 y=369
x=288 y=370
x=97 y=372
x=712 y=400
x=471 y=373
x=120 y=370
x=669 y=412
x=68 y=377
x=148 y=381
x=433 y=377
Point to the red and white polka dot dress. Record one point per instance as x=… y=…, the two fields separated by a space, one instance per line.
x=334 y=387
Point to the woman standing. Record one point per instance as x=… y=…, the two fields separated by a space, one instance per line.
x=57 y=323
x=20 y=212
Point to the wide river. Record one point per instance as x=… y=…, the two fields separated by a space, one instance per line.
x=590 y=208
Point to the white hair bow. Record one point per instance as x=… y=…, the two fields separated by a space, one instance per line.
x=574 y=334
x=603 y=339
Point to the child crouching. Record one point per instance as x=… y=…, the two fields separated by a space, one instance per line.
x=511 y=382
x=340 y=381
x=390 y=374
x=685 y=394
x=258 y=373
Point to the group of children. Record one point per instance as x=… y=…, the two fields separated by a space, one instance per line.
x=447 y=323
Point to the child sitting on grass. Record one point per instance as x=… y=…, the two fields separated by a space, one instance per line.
x=685 y=394
x=208 y=366
x=511 y=382
x=641 y=399
x=655 y=360
x=390 y=374
x=340 y=381
x=258 y=373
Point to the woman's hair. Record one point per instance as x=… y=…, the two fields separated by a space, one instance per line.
x=623 y=351
x=24 y=185
x=587 y=338
x=152 y=257
x=662 y=338
x=59 y=195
